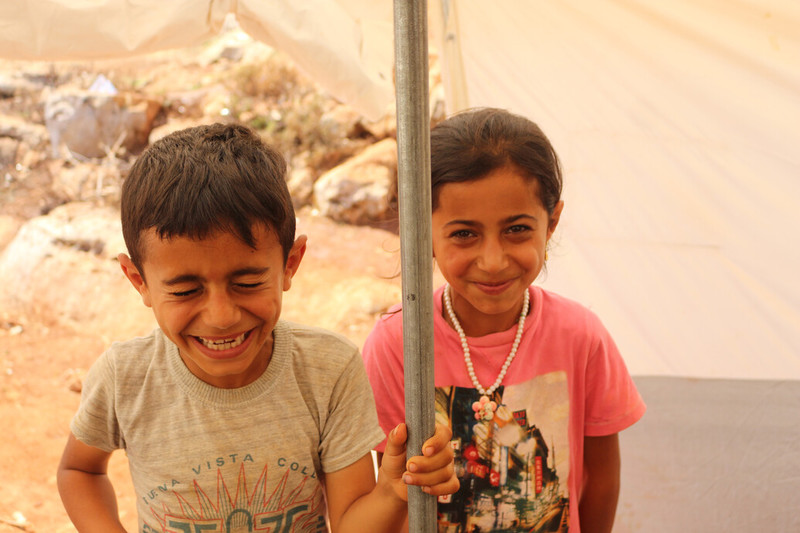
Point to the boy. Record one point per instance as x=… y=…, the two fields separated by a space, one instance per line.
x=232 y=419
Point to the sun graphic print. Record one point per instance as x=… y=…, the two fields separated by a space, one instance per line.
x=235 y=509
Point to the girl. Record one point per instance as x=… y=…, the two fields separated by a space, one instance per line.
x=531 y=384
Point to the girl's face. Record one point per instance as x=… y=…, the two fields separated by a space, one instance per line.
x=489 y=238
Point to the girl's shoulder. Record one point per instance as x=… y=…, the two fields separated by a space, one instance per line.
x=389 y=322
x=564 y=312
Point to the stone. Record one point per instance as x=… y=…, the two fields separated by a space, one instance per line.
x=92 y=125
x=63 y=269
x=300 y=180
x=9 y=225
x=35 y=135
x=362 y=190
x=8 y=152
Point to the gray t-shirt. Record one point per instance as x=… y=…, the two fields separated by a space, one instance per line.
x=228 y=460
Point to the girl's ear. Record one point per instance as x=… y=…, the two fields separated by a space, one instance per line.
x=293 y=261
x=135 y=277
x=554 y=218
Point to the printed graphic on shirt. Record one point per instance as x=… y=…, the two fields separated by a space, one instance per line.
x=514 y=468
x=214 y=504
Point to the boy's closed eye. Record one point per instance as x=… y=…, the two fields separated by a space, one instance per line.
x=194 y=291
x=184 y=294
x=249 y=285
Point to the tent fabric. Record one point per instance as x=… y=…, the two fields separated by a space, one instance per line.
x=677 y=125
x=333 y=45
x=712 y=455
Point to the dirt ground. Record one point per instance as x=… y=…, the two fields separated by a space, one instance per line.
x=41 y=366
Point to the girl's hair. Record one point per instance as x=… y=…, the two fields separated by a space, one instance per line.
x=469 y=145
x=203 y=179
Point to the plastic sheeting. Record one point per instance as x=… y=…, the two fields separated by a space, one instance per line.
x=678 y=124
x=335 y=46
x=712 y=455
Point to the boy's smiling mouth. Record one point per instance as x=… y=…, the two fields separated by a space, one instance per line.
x=222 y=344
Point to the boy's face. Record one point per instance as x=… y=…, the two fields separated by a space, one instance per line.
x=217 y=299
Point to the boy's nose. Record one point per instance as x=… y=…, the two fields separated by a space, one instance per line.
x=221 y=311
x=493 y=256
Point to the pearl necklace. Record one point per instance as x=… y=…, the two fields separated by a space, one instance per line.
x=484 y=409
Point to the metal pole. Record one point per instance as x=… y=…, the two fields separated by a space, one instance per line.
x=414 y=185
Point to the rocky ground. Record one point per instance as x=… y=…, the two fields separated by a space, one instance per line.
x=62 y=296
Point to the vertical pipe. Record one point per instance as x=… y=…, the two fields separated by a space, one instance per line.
x=413 y=176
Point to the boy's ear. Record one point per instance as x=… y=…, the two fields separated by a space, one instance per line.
x=293 y=261
x=135 y=277
x=554 y=218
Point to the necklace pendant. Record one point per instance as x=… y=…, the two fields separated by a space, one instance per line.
x=484 y=408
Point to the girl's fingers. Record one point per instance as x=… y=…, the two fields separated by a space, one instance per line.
x=441 y=438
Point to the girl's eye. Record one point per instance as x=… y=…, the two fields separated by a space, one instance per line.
x=519 y=228
x=461 y=234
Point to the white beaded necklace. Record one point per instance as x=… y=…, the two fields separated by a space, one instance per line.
x=484 y=409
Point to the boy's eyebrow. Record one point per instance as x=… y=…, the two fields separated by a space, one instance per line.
x=194 y=278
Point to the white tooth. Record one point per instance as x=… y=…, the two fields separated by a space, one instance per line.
x=225 y=344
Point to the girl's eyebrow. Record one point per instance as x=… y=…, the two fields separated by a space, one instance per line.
x=507 y=220
x=459 y=222
x=516 y=218
x=194 y=278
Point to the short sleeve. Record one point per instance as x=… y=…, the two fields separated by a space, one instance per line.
x=351 y=429
x=95 y=422
x=383 y=359
x=612 y=401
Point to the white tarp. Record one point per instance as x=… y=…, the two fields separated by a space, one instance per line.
x=335 y=46
x=679 y=128
x=678 y=124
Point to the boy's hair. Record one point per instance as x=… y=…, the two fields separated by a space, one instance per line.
x=471 y=144
x=204 y=179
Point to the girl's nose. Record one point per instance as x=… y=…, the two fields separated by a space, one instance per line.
x=493 y=256
x=221 y=311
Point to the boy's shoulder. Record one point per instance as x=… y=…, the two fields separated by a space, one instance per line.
x=315 y=343
x=305 y=334
x=138 y=354
x=144 y=346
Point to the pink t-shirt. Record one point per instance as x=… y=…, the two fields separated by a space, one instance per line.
x=522 y=470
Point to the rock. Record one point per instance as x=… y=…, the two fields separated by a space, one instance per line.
x=76 y=181
x=383 y=127
x=341 y=122
x=93 y=124
x=188 y=103
x=362 y=190
x=8 y=152
x=300 y=180
x=9 y=225
x=14 y=84
x=63 y=269
x=34 y=135
x=172 y=126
